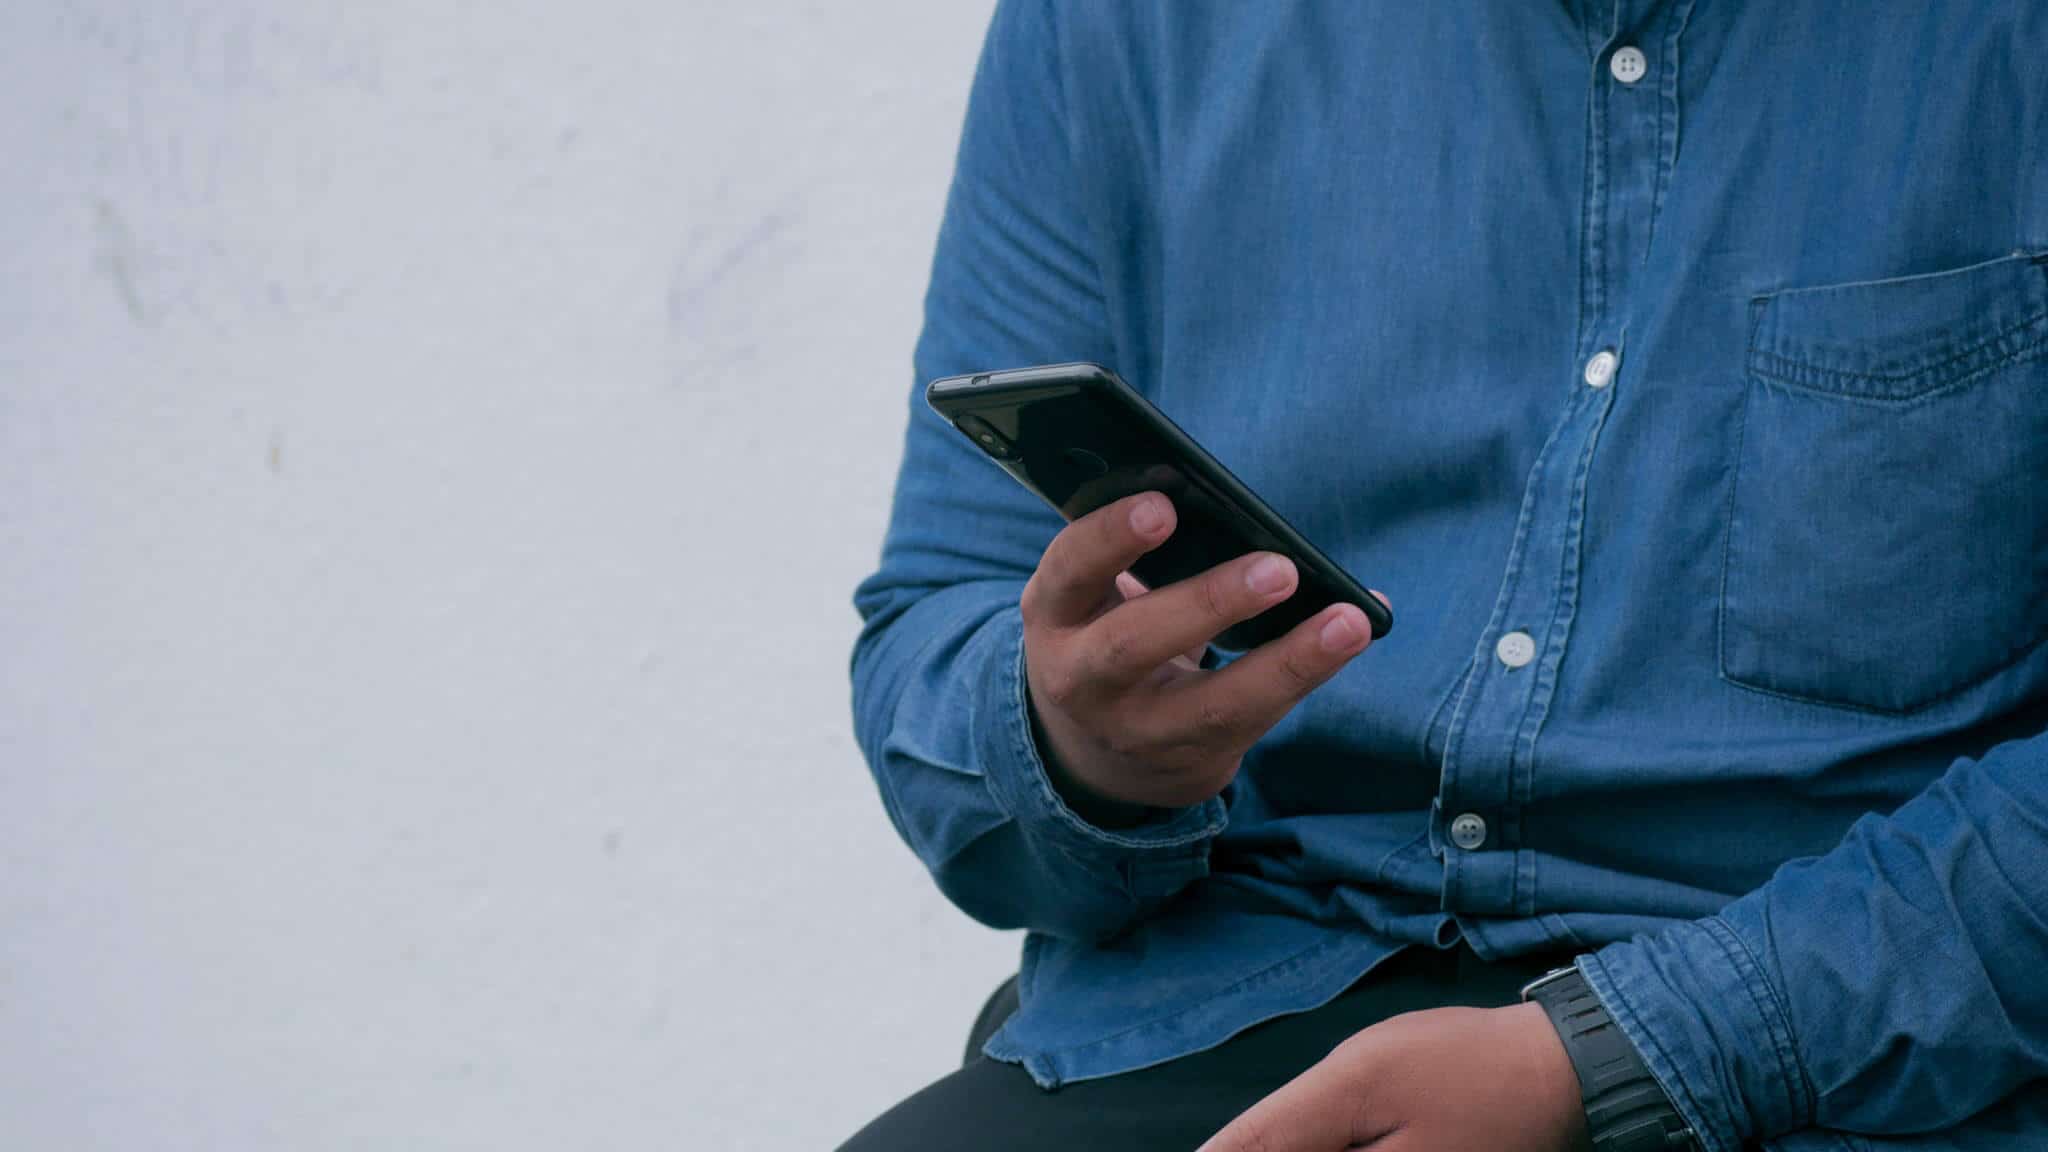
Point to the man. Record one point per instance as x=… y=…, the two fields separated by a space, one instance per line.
x=1680 y=371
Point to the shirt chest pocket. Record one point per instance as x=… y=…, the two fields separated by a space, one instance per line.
x=1887 y=536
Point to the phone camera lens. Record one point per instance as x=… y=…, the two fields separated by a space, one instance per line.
x=1087 y=465
x=983 y=433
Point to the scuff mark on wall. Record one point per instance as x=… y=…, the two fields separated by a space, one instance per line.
x=114 y=256
x=687 y=289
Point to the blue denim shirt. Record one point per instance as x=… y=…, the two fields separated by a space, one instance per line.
x=1777 y=761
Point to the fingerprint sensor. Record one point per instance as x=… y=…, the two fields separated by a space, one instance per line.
x=1087 y=463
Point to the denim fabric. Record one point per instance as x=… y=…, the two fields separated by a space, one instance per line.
x=1779 y=765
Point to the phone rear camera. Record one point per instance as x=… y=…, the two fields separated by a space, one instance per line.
x=1087 y=465
x=984 y=433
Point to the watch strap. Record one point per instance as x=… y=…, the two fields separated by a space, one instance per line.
x=1626 y=1109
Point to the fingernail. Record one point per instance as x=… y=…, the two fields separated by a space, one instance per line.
x=1147 y=517
x=1340 y=634
x=1268 y=576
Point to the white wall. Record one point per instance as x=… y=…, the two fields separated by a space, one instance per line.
x=438 y=442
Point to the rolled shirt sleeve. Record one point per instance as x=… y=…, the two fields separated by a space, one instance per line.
x=938 y=672
x=1888 y=988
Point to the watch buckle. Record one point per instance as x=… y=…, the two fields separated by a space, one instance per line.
x=1550 y=977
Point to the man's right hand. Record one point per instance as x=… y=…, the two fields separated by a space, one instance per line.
x=1127 y=712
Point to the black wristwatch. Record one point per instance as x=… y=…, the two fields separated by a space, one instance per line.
x=1626 y=1110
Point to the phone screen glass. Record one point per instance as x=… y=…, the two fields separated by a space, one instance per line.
x=1081 y=448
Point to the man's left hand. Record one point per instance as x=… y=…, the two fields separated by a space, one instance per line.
x=1445 y=1080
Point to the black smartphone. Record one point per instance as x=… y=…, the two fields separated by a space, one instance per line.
x=1081 y=438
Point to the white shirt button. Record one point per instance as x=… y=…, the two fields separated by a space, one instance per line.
x=1628 y=64
x=1600 y=369
x=1515 y=649
x=1468 y=831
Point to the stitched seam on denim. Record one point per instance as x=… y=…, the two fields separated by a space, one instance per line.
x=1802 y=377
x=1379 y=869
x=1671 y=113
x=1592 y=192
x=1556 y=633
x=1592 y=301
x=2024 y=354
x=1260 y=976
x=2027 y=649
x=1656 y=119
x=1562 y=927
x=1935 y=338
x=1820 y=378
x=1152 y=880
x=1455 y=689
x=1895 y=281
x=1624 y=1012
x=1657 y=151
x=1454 y=739
x=1455 y=863
x=1770 y=1010
x=1544 y=681
x=1796 y=369
x=1563 y=612
x=1735 y=471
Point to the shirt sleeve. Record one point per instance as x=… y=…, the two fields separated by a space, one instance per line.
x=2020 y=1121
x=1890 y=987
x=938 y=670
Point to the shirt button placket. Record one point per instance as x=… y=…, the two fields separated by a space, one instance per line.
x=1489 y=745
x=1515 y=649
x=1628 y=64
x=1599 y=372
x=1468 y=831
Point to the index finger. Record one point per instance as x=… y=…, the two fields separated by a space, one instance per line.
x=1235 y=706
x=1079 y=569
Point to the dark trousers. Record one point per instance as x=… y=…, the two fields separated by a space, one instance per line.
x=995 y=1107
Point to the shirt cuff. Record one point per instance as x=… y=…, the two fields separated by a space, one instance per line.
x=1706 y=1019
x=1017 y=777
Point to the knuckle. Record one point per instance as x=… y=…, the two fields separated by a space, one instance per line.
x=1031 y=601
x=1214 y=722
x=1059 y=685
x=1364 y=1113
x=1055 y=568
x=1217 y=600
x=1301 y=674
x=1117 y=651
x=1113 y=521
